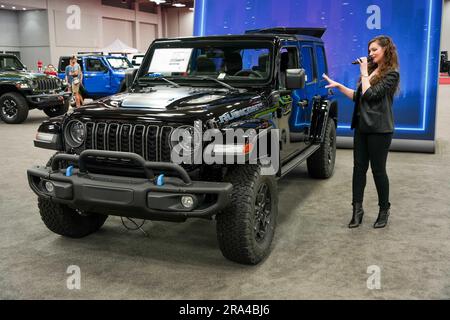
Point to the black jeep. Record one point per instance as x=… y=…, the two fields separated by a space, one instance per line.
x=115 y=156
x=21 y=91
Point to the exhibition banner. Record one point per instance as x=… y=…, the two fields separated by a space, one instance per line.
x=414 y=25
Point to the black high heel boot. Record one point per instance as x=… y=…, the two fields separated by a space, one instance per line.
x=358 y=213
x=382 y=219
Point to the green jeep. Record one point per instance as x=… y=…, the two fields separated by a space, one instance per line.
x=21 y=91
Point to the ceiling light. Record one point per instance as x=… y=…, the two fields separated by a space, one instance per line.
x=192 y=9
x=24 y=8
x=179 y=5
x=14 y=8
x=158 y=1
x=2 y=6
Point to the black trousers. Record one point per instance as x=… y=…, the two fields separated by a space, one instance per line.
x=373 y=149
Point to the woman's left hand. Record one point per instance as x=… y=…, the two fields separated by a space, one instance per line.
x=363 y=65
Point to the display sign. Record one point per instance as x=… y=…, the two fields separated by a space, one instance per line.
x=414 y=25
x=170 y=60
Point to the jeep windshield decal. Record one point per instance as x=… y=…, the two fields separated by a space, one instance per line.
x=170 y=60
x=235 y=61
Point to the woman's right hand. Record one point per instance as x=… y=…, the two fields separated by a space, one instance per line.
x=332 y=83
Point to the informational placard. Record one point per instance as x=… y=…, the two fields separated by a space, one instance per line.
x=167 y=60
x=414 y=25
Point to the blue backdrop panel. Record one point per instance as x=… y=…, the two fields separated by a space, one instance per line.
x=415 y=26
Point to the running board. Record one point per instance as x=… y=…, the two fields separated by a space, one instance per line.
x=288 y=167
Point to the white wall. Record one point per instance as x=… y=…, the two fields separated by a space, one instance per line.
x=43 y=34
x=445 y=35
x=148 y=33
x=100 y=25
x=179 y=22
x=118 y=29
x=34 y=38
x=9 y=26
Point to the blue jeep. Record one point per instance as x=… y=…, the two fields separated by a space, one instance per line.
x=102 y=75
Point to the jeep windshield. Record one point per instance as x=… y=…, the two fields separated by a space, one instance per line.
x=119 y=63
x=10 y=63
x=229 y=62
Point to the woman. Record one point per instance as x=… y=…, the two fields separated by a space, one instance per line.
x=373 y=122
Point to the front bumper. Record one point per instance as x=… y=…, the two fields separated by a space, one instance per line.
x=126 y=196
x=48 y=100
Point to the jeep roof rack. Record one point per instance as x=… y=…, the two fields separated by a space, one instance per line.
x=94 y=53
x=313 y=32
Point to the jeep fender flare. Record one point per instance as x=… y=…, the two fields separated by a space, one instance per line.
x=321 y=111
x=263 y=128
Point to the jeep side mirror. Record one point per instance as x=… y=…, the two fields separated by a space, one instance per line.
x=295 y=79
x=130 y=74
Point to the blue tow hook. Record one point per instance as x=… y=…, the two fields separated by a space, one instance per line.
x=160 y=180
x=69 y=171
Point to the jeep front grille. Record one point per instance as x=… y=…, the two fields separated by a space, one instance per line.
x=47 y=84
x=149 y=141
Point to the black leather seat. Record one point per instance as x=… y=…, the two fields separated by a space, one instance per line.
x=233 y=63
x=263 y=64
x=205 y=65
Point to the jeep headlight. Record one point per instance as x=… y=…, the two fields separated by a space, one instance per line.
x=75 y=133
x=23 y=85
x=186 y=138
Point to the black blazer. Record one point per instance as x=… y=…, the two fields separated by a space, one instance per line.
x=373 y=109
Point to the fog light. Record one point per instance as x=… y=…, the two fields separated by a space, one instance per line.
x=187 y=202
x=49 y=186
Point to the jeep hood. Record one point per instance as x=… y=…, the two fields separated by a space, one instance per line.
x=171 y=104
x=21 y=76
x=164 y=98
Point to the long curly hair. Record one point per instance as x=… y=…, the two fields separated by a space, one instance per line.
x=390 y=61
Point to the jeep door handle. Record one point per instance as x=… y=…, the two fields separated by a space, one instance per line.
x=303 y=103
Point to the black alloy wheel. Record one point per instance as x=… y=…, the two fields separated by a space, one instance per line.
x=13 y=108
x=9 y=109
x=263 y=212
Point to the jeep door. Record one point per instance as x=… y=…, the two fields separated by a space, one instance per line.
x=322 y=67
x=309 y=94
x=292 y=127
x=96 y=77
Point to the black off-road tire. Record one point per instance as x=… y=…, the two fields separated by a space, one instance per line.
x=236 y=224
x=321 y=163
x=69 y=222
x=66 y=221
x=57 y=110
x=18 y=103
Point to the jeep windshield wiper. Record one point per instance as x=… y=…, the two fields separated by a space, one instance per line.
x=226 y=85
x=152 y=77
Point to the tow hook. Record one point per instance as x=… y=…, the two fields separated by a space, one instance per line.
x=160 y=180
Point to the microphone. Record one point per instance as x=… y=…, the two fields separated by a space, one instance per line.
x=369 y=59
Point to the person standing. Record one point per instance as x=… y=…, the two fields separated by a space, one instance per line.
x=373 y=122
x=74 y=77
